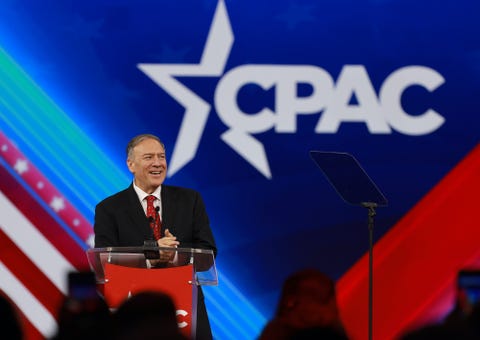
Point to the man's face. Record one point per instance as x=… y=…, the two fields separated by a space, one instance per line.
x=148 y=165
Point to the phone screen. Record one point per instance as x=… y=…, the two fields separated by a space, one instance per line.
x=468 y=285
x=82 y=285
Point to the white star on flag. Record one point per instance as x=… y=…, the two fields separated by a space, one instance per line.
x=21 y=166
x=57 y=204
x=91 y=241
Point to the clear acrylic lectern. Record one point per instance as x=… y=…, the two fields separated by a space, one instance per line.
x=122 y=272
x=202 y=261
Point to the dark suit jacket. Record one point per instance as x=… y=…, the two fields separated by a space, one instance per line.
x=121 y=222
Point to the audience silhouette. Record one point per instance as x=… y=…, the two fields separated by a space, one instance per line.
x=463 y=322
x=307 y=309
x=83 y=319
x=9 y=319
x=147 y=315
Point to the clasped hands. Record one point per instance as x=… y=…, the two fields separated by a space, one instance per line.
x=168 y=241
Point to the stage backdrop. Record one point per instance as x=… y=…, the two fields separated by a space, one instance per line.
x=240 y=92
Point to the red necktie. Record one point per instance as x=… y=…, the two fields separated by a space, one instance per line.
x=153 y=217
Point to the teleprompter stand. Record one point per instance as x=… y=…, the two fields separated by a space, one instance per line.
x=355 y=187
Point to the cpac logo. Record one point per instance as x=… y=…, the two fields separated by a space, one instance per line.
x=381 y=114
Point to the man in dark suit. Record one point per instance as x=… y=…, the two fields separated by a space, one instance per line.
x=121 y=220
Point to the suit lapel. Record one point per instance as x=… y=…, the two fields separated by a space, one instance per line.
x=167 y=206
x=135 y=211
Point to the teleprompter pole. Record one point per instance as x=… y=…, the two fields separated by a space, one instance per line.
x=371 y=221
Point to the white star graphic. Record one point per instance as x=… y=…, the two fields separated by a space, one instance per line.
x=21 y=166
x=214 y=57
x=4 y=147
x=40 y=185
x=90 y=240
x=57 y=203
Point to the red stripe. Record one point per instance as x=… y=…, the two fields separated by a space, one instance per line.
x=31 y=277
x=44 y=189
x=416 y=262
x=42 y=220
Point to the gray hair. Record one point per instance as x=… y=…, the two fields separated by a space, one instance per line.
x=138 y=139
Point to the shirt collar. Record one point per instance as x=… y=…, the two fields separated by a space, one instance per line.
x=142 y=194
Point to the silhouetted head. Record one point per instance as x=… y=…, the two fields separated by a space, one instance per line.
x=147 y=315
x=308 y=300
x=9 y=321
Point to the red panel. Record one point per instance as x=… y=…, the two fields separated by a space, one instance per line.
x=174 y=281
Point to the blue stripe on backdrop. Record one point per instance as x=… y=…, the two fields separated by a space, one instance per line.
x=240 y=319
x=49 y=135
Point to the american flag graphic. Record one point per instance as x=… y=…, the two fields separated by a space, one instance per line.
x=38 y=228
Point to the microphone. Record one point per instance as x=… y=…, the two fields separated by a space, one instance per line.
x=148 y=252
x=162 y=226
x=150 y=243
x=152 y=219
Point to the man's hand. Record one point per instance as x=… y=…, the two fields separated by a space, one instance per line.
x=167 y=241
